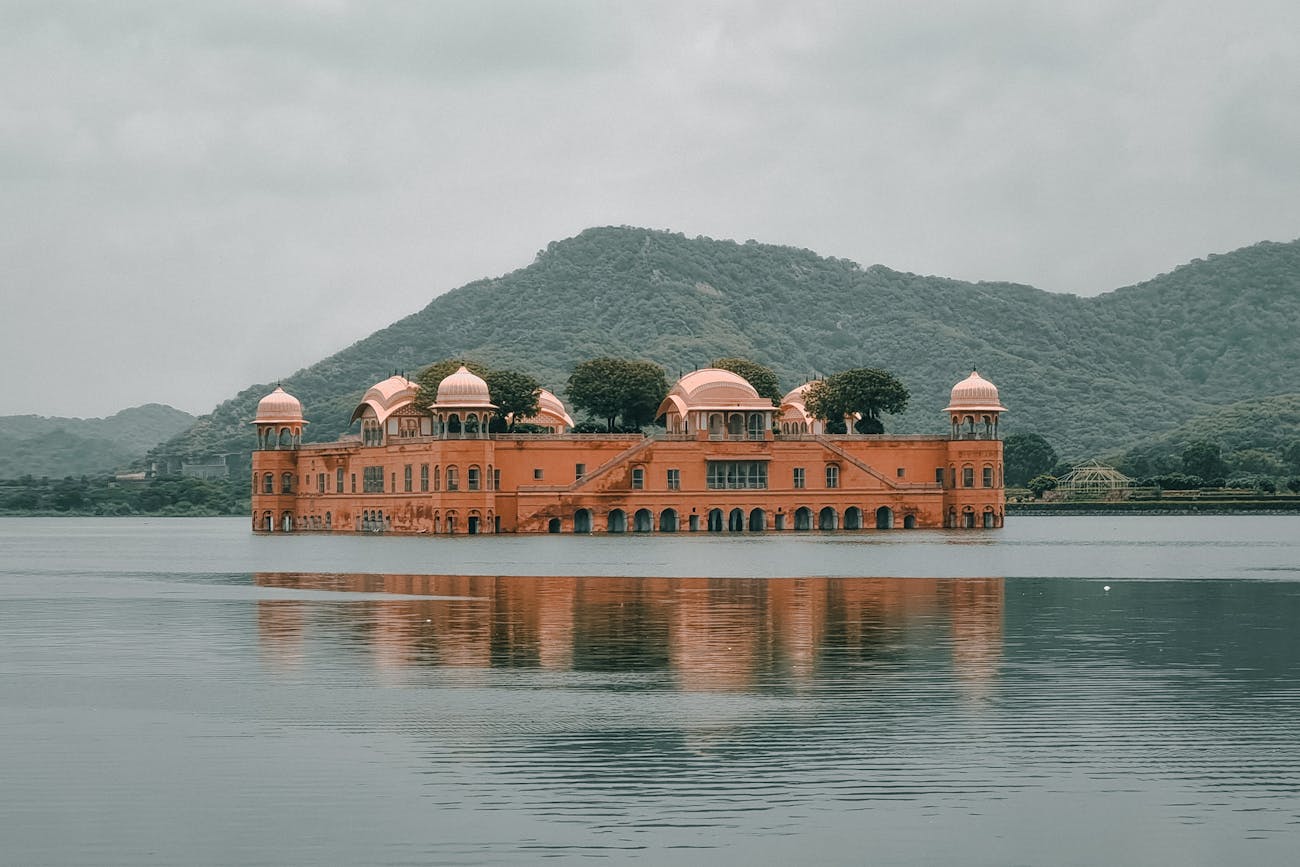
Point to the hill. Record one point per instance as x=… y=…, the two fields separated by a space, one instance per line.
x=1092 y=374
x=1261 y=435
x=56 y=447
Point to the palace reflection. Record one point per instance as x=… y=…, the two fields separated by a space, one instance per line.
x=706 y=633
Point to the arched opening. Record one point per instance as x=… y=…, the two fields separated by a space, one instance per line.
x=757 y=521
x=453 y=424
x=909 y=522
x=473 y=525
x=286 y=438
x=286 y=522
x=803 y=518
x=329 y=521
x=736 y=520
x=617 y=521
x=582 y=521
x=268 y=522
x=736 y=425
x=828 y=519
x=642 y=521
x=853 y=518
x=989 y=519
x=668 y=521
x=715 y=520
x=951 y=522
x=553 y=525
x=884 y=518
x=715 y=426
x=693 y=523
x=968 y=519
x=779 y=521
x=471 y=423
x=451 y=523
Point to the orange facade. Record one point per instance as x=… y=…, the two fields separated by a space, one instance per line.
x=716 y=470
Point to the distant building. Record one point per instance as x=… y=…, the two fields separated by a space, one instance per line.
x=728 y=461
x=205 y=470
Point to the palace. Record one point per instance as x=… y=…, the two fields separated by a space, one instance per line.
x=728 y=460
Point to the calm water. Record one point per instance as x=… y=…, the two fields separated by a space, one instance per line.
x=181 y=692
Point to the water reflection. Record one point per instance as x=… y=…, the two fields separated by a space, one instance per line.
x=708 y=634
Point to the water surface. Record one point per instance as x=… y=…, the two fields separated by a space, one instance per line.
x=1064 y=691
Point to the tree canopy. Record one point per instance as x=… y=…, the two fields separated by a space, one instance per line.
x=616 y=389
x=864 y=391
x=762 y=377
x=1024 y=456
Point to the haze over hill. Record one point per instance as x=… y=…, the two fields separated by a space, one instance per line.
x=51 y=446
x=1092 y=374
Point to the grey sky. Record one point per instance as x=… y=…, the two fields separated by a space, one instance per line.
x=201 y=196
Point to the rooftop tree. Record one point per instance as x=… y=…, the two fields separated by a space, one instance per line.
x=864 y=391
x=618 y=388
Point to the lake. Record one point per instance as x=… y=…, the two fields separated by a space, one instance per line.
x=1063 y=691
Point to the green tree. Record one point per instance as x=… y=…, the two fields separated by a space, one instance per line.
x=1039 y=485
x=865 y=391
x=1203 y=458
x=618 y=388
x=515 y=395
x=1026 y=455
x=762 y=377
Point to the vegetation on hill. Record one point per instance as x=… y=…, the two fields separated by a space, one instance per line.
x=44 y=446
x=1091 y=374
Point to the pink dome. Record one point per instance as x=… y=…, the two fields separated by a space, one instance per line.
x=387 y=397
x=464 y=389
x=713 y=388
x=278 y=406
x=974 y=393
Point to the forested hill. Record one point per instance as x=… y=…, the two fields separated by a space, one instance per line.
x=52 y=446
x=1092 y=374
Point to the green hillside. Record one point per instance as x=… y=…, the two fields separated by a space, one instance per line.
x=1261 y=435
x=1093 y=374
x=50 y=446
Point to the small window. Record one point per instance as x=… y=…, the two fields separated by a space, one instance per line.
x=496 y=480
x=579 y=470
x=938 y=475
x=798 y=477
x=902 y=471
x=832 y=476
x=268 y=484
x=338 y=481
x=424 y=478
x=537 y=473
x=286 y=483
x=406 y=479
x=968 y=477
x=674 y=480
x=988 y=477
x=320 y=482
x=472 y=478
x=354 y=483
x=393 y=485
x=453 y=479
x=638 y=478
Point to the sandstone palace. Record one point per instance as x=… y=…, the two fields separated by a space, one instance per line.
x=727 y=461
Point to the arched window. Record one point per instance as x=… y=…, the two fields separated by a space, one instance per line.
x=268 y=483
x=286 y=483
x=988 y=476
x=453 y=479
x=473 y=478
x=437 y=478
x=757 y=521
x=968 y=476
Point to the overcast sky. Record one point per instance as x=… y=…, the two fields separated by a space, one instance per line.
x=198 y=196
